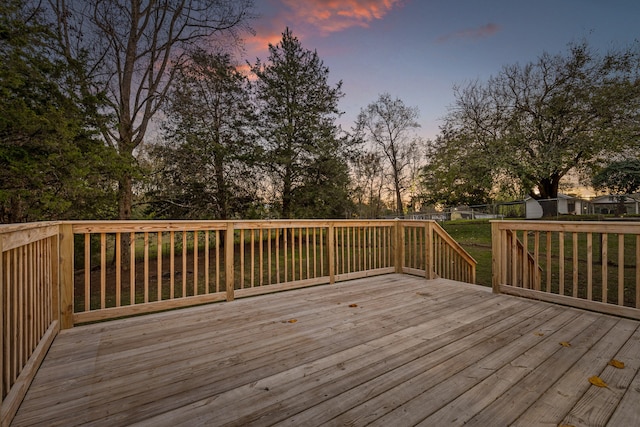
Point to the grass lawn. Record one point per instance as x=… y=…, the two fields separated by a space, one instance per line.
x=475 y=237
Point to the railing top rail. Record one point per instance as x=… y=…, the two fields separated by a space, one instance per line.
x=123 y=226
x=570 y=226
x=15 y=237
x=12 y=228
x=110 y=226
x=416 y=221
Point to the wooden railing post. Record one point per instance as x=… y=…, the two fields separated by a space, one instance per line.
x=2 y=361
x=229 y=261
x=331 y=244
x=399 y=246
x=429 y=270
x=65 y=275
x=496 y=257
x=56 y=289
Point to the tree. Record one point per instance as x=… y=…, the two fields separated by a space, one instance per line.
x=51 y=166
x=536 y=122
x=132 y=51
x=368 y=183
x=455 y=176
x=297 y=111
x=620 y=177
x=389 y=126
x=324 y=189
x=207 y=168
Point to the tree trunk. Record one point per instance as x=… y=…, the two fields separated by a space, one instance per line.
x=548 y=188
x=399 y=209
x=621 y=209
x=125 y=195
x=126 y=146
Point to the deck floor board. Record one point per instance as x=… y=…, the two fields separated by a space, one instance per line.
x=410 y=351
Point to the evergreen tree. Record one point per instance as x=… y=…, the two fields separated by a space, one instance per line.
x=207 y=168
x=305 y=155
x=51 y=166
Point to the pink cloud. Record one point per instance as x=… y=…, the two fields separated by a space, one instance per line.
x=330 y=16
x=309 y=18
x=471 y=33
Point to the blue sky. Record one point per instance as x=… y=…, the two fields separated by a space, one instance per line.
x=417 y=50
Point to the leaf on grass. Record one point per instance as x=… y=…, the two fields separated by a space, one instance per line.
x=565 y=344
x=353 y=305
x=292 y=320
x=616 y=364
x=597 y=381
x=539 y=334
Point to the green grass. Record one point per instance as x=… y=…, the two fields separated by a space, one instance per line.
x=475 y=237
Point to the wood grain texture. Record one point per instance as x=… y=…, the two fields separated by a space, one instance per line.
x=383 y=350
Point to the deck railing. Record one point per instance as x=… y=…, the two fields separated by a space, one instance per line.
x=58 y=274
x=445 y=259
x=29 y=297
x=592 y=265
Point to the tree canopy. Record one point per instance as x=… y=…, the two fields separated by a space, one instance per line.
x=619 y=177
x=110 y=104
x=534 y=123
x=455 y=174
x=130 y=52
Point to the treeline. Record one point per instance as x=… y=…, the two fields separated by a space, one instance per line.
x=521 y=132
x=114 y=109
x=132 y=109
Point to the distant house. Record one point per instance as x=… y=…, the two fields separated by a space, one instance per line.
x=562 y=205
x=608 y=204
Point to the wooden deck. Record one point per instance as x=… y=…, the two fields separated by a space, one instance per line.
x=391 y=350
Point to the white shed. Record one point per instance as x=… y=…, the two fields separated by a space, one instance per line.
x=533 y=209
x=562 y=205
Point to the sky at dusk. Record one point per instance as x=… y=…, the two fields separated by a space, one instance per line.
x=417 y=50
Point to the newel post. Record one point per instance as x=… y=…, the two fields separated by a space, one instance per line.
x=429 y=269
x=399 y=246
x=497 y=263
x=228 y=261
x=65 y=274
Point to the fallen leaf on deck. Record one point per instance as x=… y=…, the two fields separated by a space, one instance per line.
x=616 y=364
x=540 y=334
x=566 y=425
x=565 y=344
x=597 y=381
x=292 y=320
x=353 y=305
